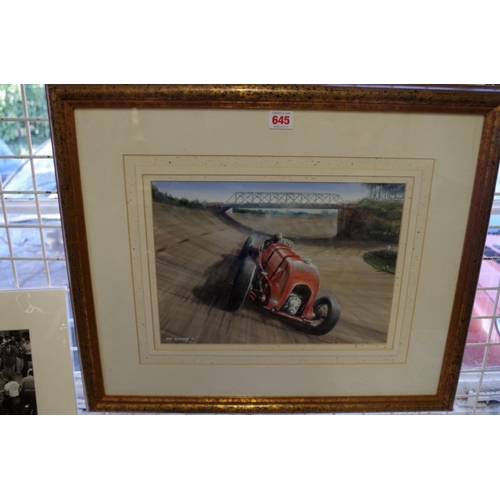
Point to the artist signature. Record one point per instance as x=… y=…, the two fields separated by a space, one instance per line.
x=179 y=340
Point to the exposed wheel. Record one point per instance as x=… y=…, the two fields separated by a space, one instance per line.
x=327 y=314
x=245 y=249
x=241 y=284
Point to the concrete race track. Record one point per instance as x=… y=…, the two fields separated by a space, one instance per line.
x=195 y=256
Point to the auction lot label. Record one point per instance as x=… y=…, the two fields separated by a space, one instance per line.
x=281 y=119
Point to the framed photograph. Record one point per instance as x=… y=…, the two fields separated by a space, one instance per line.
x=273 y=248
x=36 y=373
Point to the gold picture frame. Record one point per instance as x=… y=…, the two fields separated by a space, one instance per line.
x=112 y=140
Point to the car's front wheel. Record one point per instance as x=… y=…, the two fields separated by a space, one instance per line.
x=241 y=284
x=245 y=249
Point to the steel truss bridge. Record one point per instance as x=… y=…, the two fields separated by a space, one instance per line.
x=252 y=199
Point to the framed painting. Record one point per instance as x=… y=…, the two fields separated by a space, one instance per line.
x=273 y=248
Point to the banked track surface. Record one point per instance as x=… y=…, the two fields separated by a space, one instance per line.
x=195 y=257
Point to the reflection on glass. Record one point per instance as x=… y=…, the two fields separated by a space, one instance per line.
x=45 y=174
x=21 y=179
x=54 y=245
x=473 y=357
x=484 y=304
x=31 y=274
x=76 y=361
x=479 y=330
x=493 y=354
x=26 y=242
x=6 y=275
x=49 y=209
x=14 y=135
x=36 y=100
x=4 y=243
x=21 y=210
x=489 y=274
x=7 y=165
x=58 y=273
x=491 y=383
x=495 y=210
x=11 y=103
x=40 y=133
x=493 y=358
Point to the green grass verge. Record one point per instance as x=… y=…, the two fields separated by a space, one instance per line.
x=383 y=260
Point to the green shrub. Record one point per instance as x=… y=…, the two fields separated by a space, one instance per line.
x=372 y=220
x=383 y=260
x=172 y=200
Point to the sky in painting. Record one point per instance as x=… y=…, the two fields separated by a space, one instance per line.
x=222 y=191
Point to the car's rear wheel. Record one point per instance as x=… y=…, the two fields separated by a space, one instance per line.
x=327 y=314
x=241 y=284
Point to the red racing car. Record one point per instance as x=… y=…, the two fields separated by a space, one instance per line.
x=282 y=283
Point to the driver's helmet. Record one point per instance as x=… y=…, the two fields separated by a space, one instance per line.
x=277 y=237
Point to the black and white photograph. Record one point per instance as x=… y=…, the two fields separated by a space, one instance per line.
x=17 y=376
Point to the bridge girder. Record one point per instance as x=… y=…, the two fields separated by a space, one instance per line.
x=255 y=199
